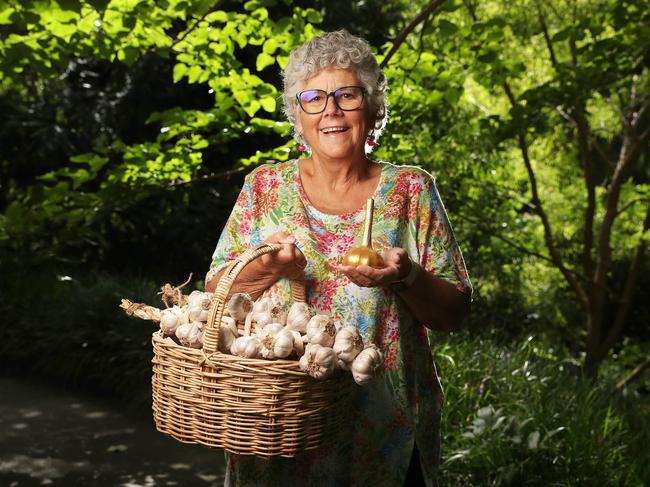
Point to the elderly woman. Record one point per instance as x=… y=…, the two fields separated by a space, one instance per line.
x=334 y=93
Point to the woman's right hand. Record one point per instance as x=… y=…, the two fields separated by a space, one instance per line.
x=289 y=262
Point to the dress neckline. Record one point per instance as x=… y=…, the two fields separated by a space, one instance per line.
x=356 y=214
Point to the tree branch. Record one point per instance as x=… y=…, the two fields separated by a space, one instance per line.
x=628 y=153
x=548 y=234
x=631 y=203
x=194 y=26
x=409 y=28
x=547 y=38
x=635 y=374
x=628 y=292
x=478 y=222
x=583 y=131
x=211 y=177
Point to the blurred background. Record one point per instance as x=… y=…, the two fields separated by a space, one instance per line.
x=127 y=127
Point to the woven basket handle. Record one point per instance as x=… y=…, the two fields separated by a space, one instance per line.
x=218 y=304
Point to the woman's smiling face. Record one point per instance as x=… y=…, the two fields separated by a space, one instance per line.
x=334 y=133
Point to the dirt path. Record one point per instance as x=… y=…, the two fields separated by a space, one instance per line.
x=50 y=436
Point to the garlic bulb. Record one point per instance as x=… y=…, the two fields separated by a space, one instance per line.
x=365 y=364
x=239 y=305
x=347 y=345
x=275 y=344
x=196 y=312
x=277 y=312
x=227 y=333
x=271 y=328
x=190 y=335
x=246 y=346
x=170 y=318
x=319 y=362
x=321 y=330
x=261 y=304
x=264 y=312
x=298 y=345
x=298 y=317
x=200 y=299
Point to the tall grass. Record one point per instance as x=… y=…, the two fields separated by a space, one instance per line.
x=72 y=332
x=521 y=414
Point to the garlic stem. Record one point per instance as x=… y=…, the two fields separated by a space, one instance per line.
x=367 y=232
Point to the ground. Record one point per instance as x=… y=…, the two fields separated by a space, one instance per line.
x=53 y=436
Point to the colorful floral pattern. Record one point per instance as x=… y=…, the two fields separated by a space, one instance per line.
x=402 y=404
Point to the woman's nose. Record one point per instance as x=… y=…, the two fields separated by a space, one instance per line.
x=332 y=107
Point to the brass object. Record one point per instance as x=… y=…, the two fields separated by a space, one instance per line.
x=364 y=254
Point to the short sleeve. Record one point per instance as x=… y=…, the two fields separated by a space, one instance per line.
x=235 y=236
x=437 y=247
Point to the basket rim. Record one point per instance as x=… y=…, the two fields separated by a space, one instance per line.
x=207 y=359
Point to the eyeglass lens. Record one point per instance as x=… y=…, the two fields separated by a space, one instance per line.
x=346 y=98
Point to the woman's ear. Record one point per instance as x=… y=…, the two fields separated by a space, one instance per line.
x=297 y=113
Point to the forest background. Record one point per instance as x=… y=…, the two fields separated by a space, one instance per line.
x=127 y=127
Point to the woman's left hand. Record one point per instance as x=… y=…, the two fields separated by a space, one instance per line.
x=397 y=266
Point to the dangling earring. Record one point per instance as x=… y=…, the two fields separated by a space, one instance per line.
x=302 y=147
x=371 y=139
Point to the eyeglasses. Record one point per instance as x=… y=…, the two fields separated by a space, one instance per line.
x=346 y=98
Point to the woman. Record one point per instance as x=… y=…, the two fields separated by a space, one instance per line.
x=334 y=95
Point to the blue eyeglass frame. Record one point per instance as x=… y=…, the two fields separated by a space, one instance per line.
x=333 y=95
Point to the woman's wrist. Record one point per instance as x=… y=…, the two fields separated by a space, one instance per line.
x=407 y=281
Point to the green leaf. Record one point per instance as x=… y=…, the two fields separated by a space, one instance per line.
x=252 y=109
x=313 y=16
x=128 y=55
x=252 y=5
x=179 y=71
x=270 y=46
x=5 y=15
x=446 y=27
x=193 y=73
x=268 y=103
x=263 y=60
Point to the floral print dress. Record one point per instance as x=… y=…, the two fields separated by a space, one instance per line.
x=402 y=404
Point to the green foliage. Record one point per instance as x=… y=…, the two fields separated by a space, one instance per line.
x=204 y=45
x=518 y=414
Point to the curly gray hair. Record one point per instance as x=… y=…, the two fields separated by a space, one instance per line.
x=338 y=49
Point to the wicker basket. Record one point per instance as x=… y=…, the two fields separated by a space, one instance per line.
x=246 y=406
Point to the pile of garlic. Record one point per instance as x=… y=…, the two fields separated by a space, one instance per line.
x=185 y=323
x=266 y=329
x=320 y=343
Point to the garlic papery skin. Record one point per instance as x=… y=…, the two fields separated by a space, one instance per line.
x=197 y=312
x=261 y=319
x=239 y=305
x=246 y=346
x=261 y=304
x=275 y=344
x=271 y=328
x=347 y=345
x=365 y=365
x=182 y=313
x=169 y=321
x=190 y=335
x=227 y=333
x=321 y=330
x=277 y=312
x=319 y=362
x=200 y=299
x=298 y=317
x=298 y=345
